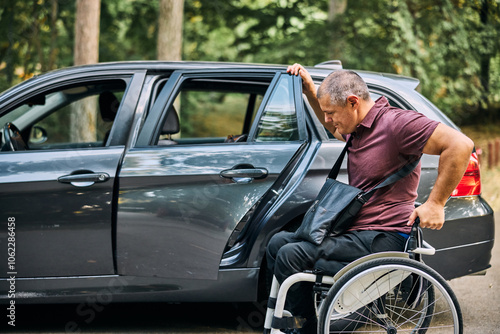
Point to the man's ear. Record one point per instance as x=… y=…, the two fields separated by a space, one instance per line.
x=352 y=101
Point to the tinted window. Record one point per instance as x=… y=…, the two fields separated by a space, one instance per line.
x=69 y=117
x=279 y=120
x=211 y=111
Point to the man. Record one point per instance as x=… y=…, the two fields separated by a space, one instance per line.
x=385 y=139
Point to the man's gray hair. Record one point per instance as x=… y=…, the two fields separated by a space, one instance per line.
x=340 y=84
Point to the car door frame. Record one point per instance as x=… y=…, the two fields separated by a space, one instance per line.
x=153 y=123
x=115 y=145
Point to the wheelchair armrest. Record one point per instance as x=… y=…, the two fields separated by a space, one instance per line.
x=427 y=249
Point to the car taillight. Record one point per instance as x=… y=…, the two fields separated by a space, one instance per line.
x=470 y=184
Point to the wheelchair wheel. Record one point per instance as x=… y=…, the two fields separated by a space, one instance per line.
x=390 y=295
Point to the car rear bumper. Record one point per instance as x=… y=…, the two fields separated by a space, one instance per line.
x=469 y=250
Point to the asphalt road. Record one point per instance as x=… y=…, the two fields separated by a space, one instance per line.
x=479 y=298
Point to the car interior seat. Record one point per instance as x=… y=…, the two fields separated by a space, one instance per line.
x=170 y=127
x=108 y=108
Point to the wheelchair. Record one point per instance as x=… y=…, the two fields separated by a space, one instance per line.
x=388 y=292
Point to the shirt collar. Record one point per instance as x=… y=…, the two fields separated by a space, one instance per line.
x=381 y=102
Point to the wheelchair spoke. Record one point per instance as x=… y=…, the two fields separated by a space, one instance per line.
x=391 y=296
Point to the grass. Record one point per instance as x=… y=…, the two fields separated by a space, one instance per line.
x=490 y=177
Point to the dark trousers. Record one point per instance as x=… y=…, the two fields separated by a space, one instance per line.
x=287 y=255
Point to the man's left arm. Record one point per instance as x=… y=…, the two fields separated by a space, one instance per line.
x=454 y=150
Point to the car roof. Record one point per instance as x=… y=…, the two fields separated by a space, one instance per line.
x=404 y=86
x=317 y=73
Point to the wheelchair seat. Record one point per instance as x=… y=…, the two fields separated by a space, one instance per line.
x=337 y=269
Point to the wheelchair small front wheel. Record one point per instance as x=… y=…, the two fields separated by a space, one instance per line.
x=390 y=295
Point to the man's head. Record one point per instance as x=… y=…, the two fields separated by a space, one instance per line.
x=345 y=100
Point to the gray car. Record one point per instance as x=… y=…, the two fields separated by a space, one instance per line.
x=164 y=181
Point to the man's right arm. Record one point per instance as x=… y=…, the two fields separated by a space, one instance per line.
x=309 y=89
x=454 y=149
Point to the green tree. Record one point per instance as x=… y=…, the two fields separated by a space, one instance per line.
x=34 y=38
x=442 y=43
x=170 y=19
x=452 y=46
x=86 y=51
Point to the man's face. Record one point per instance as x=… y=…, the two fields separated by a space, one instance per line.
x=342 y=117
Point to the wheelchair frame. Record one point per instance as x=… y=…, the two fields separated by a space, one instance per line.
x=278 y=318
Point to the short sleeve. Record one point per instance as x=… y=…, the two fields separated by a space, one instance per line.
x=412 y=130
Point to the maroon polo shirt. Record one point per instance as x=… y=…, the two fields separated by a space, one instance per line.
x=386 y=140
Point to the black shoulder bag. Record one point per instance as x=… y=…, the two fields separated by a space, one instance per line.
x=338 y=203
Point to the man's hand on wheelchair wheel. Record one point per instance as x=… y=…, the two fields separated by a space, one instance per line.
x=431 y=216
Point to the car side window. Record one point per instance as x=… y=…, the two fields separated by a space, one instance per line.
x=76 y=116
x=212 y=111
x=279 y=119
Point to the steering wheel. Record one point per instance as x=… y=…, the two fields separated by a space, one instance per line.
x=12 y=138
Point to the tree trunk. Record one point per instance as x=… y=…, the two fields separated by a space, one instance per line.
x=169 y=43
x=170 y=20
x=87 y=31
x=335 y=8
x=53 y=34
x=86 y=51
x=486 y=111
x=9 y=58
x=485 y=57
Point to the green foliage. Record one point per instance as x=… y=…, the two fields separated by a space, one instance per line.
x=434 y=41
x=442 y=43
x=33 y=39
x=212 y=114
x=128 y=30
x=254 y=31
x=452 y=46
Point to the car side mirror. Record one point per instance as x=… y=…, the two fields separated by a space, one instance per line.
x=38 y=135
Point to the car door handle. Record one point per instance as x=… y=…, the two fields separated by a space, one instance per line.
x=254 y=173
x=85 y=179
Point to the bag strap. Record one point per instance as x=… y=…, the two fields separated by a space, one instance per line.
x=401 y=173
x=334 y=172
